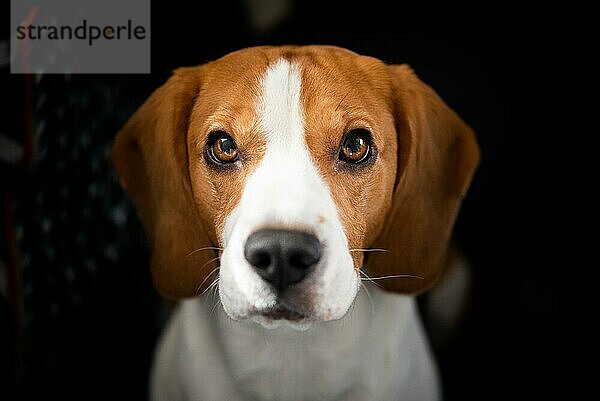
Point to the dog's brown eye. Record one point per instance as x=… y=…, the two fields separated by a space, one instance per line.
x=356 y=146
x=222 y=148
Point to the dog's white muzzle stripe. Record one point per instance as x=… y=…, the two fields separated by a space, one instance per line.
x=286 y=191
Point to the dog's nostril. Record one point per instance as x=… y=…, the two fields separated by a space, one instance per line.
x=260 y=260
x=282 y=257
x=303 y=260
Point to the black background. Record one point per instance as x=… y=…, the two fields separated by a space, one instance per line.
x=518 y=77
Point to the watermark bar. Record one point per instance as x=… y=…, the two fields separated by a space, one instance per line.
x=80 y=36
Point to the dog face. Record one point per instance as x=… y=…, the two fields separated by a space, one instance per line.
x=289 y=162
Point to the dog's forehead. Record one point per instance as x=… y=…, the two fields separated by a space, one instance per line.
x=255 y=60
x=332 y=78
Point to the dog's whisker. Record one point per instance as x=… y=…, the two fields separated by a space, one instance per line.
x=369 y=297
x=368 y=250
x=208 y=275
x=213 y=284
x=395 y=276
x=213 y=294
x=367 y=278
x=209 y=261
x=206 y=248
x=216 y=303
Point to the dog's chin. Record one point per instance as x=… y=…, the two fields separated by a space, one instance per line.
x=282 y=317
x=295 y=310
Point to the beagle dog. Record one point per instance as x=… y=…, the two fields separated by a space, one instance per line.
x=314 y=190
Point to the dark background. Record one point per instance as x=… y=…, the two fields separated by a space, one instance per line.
x=87 y=316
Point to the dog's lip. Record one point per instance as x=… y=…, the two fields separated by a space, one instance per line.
x=282 y=312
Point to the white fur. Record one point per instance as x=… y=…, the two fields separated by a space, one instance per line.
x=286 y=191
x=380 y=356
x=351 y=348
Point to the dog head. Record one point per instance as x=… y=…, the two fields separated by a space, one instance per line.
x=277 y=170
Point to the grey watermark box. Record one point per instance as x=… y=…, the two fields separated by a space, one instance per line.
x=80 y=36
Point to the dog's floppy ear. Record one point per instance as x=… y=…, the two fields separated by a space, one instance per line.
x=150 y=157
x=437 y=156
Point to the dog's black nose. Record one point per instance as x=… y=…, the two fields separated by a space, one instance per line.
x=282 y=257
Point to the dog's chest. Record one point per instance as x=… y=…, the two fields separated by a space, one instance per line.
x=364 y=356
x=282 y=364
x=378 y=351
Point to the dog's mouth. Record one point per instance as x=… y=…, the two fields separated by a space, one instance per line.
x=282 y=312
x=282 y=316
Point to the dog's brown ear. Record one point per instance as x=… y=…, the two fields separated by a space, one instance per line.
x=150 y=157
x=437 y=156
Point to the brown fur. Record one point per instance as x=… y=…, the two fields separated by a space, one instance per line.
x=405 y=201
x=438 y=155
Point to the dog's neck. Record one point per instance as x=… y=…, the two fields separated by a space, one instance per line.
x=378 y=352
x=336 y=360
